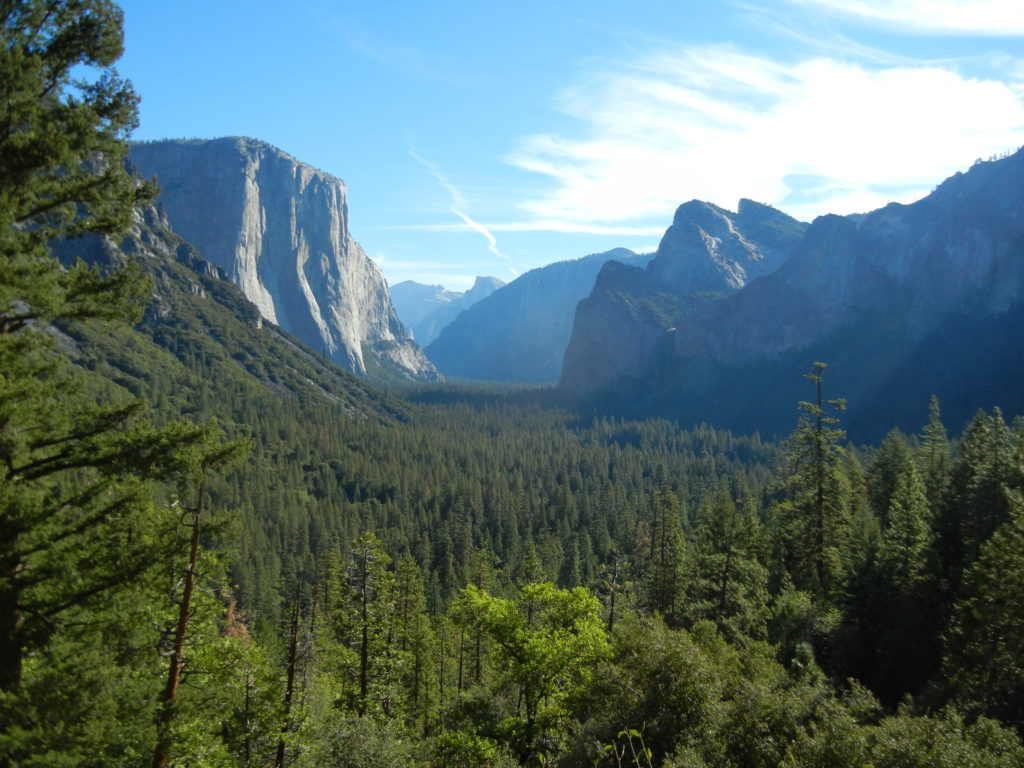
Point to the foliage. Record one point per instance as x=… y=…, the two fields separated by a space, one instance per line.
x=814 y=517
x=412 y=583
x=985 y=656
x=547 y=643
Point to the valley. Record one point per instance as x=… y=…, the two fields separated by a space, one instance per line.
x=753 y=498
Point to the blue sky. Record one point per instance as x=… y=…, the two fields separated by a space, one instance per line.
x=481 y=138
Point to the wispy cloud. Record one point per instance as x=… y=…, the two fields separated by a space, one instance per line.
x=458 y=202
x=997 y=18
x=716 y=123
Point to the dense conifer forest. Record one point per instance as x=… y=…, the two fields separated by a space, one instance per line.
x=219 y=550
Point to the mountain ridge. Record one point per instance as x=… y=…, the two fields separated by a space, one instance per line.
x=705 y=254
x=875 y=296
x=519 y=332
x=279 y=229
x=426 y=310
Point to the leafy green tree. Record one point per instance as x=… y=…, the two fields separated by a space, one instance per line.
x=547 y=645
x=942 y=740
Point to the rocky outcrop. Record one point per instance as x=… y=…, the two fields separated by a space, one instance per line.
x=520 y=332
x=279 y=230
x=199 y=334
x=708 y=249
x=902 y=303
x=956 y=251
x=426 y=310
x=631 y=317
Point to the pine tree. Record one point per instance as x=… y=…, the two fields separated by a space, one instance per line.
x=814 y=519
x=976 y=503
x=729 y=584
x=364 y=617
x=907 y=644
x=933 y=455
x=75 y=478
x=888 y=464
x=665 y=570
x=986 y=642
x=61 y=153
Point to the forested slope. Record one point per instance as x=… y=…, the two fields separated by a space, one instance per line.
x=218 y=550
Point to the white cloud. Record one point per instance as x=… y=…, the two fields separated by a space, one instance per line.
x=717 y=124
x=961 y=17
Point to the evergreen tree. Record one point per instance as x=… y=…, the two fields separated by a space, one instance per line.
x=195 y=519
x=985 y=645
x=61 y=153
x=906 y=649
x=665 y=569
x=888 y=464
x=904 y=555
x=75 y=478
x=364 y=618
x=729 y=584
x=933 y=455
x=976 y=503
x=814 y=519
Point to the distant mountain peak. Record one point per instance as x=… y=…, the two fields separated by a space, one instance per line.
x=519 y=332
x=427 y=309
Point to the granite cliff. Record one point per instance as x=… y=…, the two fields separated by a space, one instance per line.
x=519 y=332
x=279 y=230
x=904 y=302
x=201 y=343
x=623 y=327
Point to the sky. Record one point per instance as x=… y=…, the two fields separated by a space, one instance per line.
x=490 y=138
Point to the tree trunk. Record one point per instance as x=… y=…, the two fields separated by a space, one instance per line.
x=163 y=743
x=11 y=621
x=289 y=690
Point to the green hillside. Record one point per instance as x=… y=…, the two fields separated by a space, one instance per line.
x=219 y=550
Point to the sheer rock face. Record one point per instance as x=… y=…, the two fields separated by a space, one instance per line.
x=955 y=252
x=520 y=332
x=631 y=317
x=279 y=230
x=902 y=303
x=709 y=249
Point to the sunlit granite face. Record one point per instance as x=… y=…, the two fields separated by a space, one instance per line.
x=279 y=229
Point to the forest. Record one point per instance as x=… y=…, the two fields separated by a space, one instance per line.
x=218 y=550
